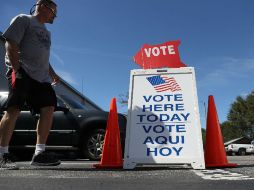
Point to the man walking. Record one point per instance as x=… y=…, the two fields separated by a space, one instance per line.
x=29 y=76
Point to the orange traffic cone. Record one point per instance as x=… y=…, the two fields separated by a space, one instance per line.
x=215 y=154
x=112 y=150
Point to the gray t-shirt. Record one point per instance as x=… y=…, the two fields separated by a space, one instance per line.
x=34 y=42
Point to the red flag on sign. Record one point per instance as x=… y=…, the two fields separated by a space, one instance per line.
x=158 y=56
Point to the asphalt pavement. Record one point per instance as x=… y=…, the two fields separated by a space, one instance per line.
x=80 y=174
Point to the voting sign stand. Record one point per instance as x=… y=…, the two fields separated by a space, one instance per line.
x=163 y=124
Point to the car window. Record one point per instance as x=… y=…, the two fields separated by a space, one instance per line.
x=72 y=103
x=90 y=106
x=75 y=104
x=60 y=103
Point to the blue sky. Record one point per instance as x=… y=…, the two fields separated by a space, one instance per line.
x=94 y=40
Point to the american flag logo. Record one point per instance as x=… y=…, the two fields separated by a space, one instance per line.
x=163 y=83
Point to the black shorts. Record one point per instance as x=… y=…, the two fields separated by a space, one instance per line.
x=23 y=90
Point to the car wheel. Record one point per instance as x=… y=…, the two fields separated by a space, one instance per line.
x=242 y=152
x=229 y=153
x=93 y=144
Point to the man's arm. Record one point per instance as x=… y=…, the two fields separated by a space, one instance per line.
x=53 y=75
x=12 y=51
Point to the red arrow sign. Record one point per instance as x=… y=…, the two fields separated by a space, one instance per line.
x=158 y=56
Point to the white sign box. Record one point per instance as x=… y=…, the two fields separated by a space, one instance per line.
x=163 y=119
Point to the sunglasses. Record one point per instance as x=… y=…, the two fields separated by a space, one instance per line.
x=51 y=9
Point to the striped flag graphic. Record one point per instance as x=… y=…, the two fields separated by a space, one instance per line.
x=164 y=83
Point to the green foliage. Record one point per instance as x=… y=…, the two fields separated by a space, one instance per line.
x=230 y=132
x=123 y=99
x=241 y=114
x=203 y=136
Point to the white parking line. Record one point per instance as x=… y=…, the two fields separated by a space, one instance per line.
x=219 y=174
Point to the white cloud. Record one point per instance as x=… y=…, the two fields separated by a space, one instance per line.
x=222 y=71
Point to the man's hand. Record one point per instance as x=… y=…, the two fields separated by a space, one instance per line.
x=56 y=79
x=54 y=76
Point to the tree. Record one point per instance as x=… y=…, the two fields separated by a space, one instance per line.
x=203 y=131
x=230 y=132
x=241 y=114
x=123 y=99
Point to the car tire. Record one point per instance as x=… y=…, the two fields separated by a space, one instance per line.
x=229 y=153
x=93 y=144
x=241 y=152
